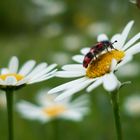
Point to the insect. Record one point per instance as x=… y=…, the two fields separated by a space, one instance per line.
x=96 y=50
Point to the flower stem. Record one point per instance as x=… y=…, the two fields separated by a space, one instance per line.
x=55 y=124
x=9 y=97
x=115 y=105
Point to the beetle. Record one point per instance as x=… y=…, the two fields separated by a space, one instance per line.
x=96 y=50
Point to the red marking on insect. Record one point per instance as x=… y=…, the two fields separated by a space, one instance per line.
x=96 y=50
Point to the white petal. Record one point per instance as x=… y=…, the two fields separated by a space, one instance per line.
x=67 y=85
x=84 y=51
x=73 y=67
x=113 y=65
x=131 y=41
x=50 y=67
x=13 y=65
x=133 y=50
x=81 y=98
x=81 y=101
x=133 y=1
x=102 y=37
x=10 y=80
x=97 y=83
x=110 y=82
x=73 y=90
x=5 y=71
x=28 y=110
x=126 y=32
x=78 y=58
x=40 y=79
x=27 y=67
x=116 y=37
x=125 y=60
x=21 y=82
x=37 y=69
x=42 y=74
x=70 y=74
x=72 y=115
x=2 y=82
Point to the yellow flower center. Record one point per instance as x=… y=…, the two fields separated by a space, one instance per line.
x=54 y=111
x=17 y=76
x=101 y=65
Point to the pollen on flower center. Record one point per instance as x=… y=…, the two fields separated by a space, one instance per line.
x=102 y=64
x=17 y=76
x=55 y=110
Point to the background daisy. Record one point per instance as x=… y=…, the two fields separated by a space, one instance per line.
x=48 y=109
x=13 y=77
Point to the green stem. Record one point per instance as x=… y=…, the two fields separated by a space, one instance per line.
x=55 y=124
x=9 y=97
x=115 y=105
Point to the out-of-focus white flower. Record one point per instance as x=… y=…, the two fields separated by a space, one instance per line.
x=129 y=70
x=132 y=105
x=50 y=8
x=52 y=30
x=133 y=1
x=13 y=77
x=97 y=28
x=72 y=42
x=49 y=109
x=61 y=58
x=100 y=70
x=2 y=100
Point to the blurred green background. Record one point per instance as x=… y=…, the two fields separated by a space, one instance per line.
x=54 y=31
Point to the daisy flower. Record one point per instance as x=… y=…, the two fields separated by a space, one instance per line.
x=100 y=70
x=132 y=105
x=13 y=78
x=48 y=109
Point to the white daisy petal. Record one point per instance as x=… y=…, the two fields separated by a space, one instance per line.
x=81 y=99
x=84 y=51
x=102 y=37
x=5 y=71
x=69 y=74
x=37 y=69
x=125 y=60
x=131 y=41
x=72 y=115
x=40 y=79
x=50 y=67
x=73 y=90
x=2 y=82
x=73 y=67
x=94 y=85
x=41 y=76
x=10 y=80
x=67 y=85
x=110 y=82
x=116 y=37
x=113 y=65
x=78 y=58
x=13 y=65
x=21 y=82
x=27 y=67
x=125 y=33
x=133 y=50
x=28 y=110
